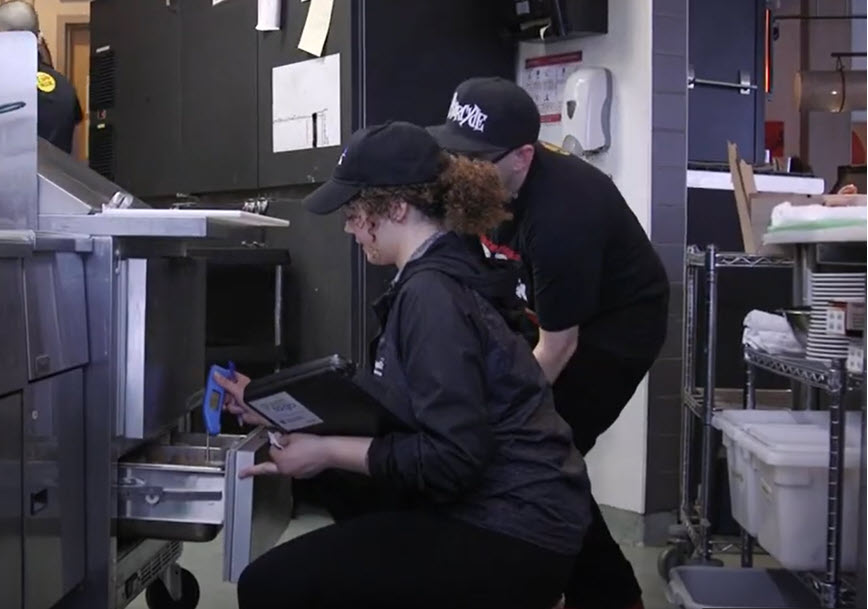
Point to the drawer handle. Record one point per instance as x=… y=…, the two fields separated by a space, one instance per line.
x=38 y=501
x=152 y=495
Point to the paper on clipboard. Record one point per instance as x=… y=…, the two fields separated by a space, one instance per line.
x=286 y=412
x=316 y=27
x=306 y=104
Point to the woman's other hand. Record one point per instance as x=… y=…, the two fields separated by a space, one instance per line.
x=234 y=398
x=302 y=456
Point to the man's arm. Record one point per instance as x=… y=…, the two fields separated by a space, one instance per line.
x=555 y=349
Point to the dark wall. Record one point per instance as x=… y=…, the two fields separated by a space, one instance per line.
x=726 y=37
x=668 y=213
x=191 y=113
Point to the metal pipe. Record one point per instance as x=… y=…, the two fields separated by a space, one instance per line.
x=749 y=404
x=746 y=550
x=816 y=17
x=708 y=401
x=688 y=386
x=278 y=309
x=837 y=429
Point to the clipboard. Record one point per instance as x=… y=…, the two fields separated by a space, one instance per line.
x=318 y=397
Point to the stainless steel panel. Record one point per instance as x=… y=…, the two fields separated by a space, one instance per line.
x=98 y=590
x=258 y=510
x=161 y=342
x=56 y=313
x=13 y=350
x=11 y=573
x=67 y=186
x=54 y=505
x=119 y=226
x=17 y=130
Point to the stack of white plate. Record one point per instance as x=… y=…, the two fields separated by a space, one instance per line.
x=825 y=288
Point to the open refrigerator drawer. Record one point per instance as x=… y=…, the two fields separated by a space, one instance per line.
x=184 y=490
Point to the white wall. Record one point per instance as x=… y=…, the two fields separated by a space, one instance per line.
x=49 y=11
x=617 y=463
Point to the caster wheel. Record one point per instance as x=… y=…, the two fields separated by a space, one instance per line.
x=157 y=596
x=671 y=557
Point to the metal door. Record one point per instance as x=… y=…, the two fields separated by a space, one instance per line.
x=258 y=510
x=54 y=504
x=10 y=501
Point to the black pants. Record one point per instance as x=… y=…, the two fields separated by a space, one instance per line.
x=590 y=395
x=404 y=560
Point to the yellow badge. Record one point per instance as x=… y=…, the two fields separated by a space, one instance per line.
x=45 y=82
x=553 y=148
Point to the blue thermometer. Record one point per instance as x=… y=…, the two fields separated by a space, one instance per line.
x=212 y=402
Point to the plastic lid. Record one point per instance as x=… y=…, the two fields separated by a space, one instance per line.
x=798 y=445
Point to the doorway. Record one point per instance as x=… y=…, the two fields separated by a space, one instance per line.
x=77 y=70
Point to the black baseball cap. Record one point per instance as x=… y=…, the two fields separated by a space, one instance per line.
x=391 y=154
x=488 y=116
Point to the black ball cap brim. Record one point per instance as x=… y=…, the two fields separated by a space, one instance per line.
x=454 y=140
x=330 y=197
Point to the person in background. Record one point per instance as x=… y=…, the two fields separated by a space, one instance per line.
x=493 y=496
x=58 y=110
x=594 y=284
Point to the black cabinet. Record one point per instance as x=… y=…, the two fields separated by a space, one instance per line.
x=726 y=38
x=137 y=75
x=218 y=96
x=178 y=86
x=398 y=61
x=280 y=48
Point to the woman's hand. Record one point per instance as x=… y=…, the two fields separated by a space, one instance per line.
x=302 y=456
x=234 y=399
x=305 y=456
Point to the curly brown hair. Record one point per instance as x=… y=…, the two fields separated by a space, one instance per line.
x=467 y=197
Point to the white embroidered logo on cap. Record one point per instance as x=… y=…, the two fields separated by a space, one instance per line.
x=470 y=115
x=343 y=156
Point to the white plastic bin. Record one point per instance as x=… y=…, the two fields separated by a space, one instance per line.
x=701 y=587
x=792 y=473
x=743 y=483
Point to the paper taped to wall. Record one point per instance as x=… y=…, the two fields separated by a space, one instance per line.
x=306 y=104
x=268 y=15
x=544 y=79
x=316 y=27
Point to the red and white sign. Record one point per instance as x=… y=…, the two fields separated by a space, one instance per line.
x=544 y=78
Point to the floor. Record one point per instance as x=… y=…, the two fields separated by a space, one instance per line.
x=206 y=563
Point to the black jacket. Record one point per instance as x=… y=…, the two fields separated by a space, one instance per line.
x=483 y=442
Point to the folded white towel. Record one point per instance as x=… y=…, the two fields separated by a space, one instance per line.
x=770 y=333
x=785 y=213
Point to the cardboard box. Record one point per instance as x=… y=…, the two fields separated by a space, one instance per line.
x=755 y=208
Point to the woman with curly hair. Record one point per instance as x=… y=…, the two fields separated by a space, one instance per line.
x=491 y=497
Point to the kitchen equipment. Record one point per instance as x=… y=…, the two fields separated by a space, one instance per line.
x=799 y=319
x=827 y=288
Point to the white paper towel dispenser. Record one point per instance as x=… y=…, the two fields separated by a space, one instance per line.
x=585 y=113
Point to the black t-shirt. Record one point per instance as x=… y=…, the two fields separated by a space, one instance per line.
x=586 y=260
x=59 y=110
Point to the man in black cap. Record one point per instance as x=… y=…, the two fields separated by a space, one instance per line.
x=58 y=109
x=594 y=285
